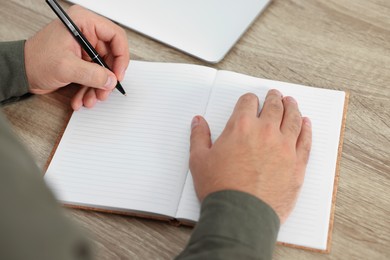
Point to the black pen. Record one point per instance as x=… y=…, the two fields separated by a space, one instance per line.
x=79 y=36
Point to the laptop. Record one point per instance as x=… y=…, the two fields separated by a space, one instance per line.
x=206 y=29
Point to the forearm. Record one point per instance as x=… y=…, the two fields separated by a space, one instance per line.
x=233 y=225
x=13 y=79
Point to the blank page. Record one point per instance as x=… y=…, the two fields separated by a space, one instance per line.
x=308 y=224
x=131 y=153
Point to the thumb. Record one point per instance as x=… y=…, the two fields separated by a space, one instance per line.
x=89 y=74
x=200 y=134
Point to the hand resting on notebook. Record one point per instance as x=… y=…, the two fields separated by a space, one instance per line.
x=264 y=155
x=53 y=58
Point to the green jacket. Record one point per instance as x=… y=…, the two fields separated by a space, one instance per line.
x=233 y=225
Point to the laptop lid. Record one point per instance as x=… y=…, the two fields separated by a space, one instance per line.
x=206 y=29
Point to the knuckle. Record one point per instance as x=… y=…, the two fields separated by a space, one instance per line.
x=295 y=125
x=248 y=98
x=267 y=130
x=274 y=104
x=293 y=129
x=243 y=123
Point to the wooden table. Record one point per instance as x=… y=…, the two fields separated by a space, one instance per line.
x=336 y=44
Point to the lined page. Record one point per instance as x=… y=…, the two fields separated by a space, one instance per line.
x=131 y=153
x=189 y=206
x=309 y=222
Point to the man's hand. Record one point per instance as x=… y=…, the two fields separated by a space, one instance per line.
x=264 y=155
x=54 y=59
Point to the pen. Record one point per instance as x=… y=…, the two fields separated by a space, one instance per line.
x=79 y=36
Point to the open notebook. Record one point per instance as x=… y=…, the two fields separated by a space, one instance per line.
x=130 y=154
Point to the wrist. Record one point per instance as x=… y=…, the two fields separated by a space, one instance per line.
x=28 y=66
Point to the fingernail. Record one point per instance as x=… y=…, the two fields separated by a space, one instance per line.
x=110 y=82
x=291 y=99
x=195 y=122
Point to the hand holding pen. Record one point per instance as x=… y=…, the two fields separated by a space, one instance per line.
x=54 y=59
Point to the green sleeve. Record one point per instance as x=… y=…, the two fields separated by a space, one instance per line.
x=233 y=225
x=32 y=224
x=13 y=79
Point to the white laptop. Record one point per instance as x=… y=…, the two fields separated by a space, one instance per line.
x=206 y=29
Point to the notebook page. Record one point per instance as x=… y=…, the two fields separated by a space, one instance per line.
x=189 y=205
x=132 y=152
x=308 y=224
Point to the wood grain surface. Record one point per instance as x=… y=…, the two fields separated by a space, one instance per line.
x=336 y=44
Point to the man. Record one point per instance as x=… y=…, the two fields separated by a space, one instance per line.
x=247 y=180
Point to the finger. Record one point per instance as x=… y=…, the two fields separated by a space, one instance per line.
x=111 y=33
x=77 y=100
x=102 y=94
x=292 y=119
x=304 y=142
x=247 y=104
x=89 y=99
x=119 y=67
x=272 y=111
x=87 y=73
x=118 y=64
x=200 y=135
x=118 y=46
x=103 y=49
x=97 y=28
